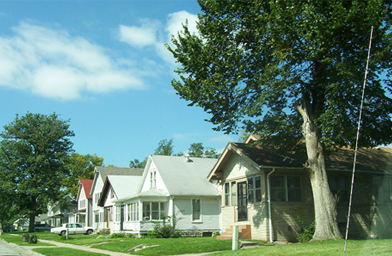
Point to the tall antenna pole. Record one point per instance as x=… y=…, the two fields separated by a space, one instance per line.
x=356 y=144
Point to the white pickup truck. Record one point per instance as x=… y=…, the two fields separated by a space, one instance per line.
x=73 y=228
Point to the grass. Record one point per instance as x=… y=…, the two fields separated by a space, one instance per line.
x=17 y=239
x=65 y=251
x=168 y=246
x=205 y=244
x=322 y=248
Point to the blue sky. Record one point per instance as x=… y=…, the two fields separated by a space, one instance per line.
x=103 y=65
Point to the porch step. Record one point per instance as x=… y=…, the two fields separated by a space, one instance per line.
x=244 y=232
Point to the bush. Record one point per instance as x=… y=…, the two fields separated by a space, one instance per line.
x=33 y=239
x=307 y=231
x=166 y=230
x=117 y=235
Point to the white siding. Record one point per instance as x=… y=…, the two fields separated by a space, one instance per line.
x=159 y=182
x=210 y=214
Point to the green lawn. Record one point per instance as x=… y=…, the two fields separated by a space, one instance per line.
x=65 y=251
x=168 y=246
x=204 y=244
x=324 y=248
x=16 y=238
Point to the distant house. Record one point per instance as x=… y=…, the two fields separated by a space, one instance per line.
x=58 y=211
x=172 y=188
x=100 y=174
x=264 y=191
x=84 y=213
x=116 y=187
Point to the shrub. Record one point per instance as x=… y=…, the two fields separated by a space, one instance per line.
x=33 y=239
x=117 y=235
x=166 y=230
x=307 y=231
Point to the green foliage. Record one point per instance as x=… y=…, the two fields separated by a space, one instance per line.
x=137 y=164
x=81 y=167
x=165 y=147
x=33 y=239
x=307 y=231
x=253 y=63
x=198 y=150
x=117 y=235
x=34 y=153
x=164 y=230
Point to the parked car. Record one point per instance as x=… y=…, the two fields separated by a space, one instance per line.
x=73 y=228
x=42 y=227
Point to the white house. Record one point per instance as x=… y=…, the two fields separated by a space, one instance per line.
x=84 y=213
x=100 y=174
x=116 y=187
x=174 y=187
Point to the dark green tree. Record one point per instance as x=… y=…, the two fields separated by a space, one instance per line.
x=165 y=147
x=34 y=153
x=80 y=167
x=137 y=164
x=292 y=71
x=196 y=150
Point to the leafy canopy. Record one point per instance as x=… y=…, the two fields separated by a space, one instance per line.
x=34 y=153
x=252 y=62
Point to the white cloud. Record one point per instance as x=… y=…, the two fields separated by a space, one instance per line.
x=140 y=36
x=154 y=34
x=53 y=64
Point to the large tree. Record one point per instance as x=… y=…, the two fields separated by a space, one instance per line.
x=34 y=153
x=292 y=71
x=80 y=167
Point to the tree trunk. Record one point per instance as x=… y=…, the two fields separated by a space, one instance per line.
x=32 y=222
x=324 y=202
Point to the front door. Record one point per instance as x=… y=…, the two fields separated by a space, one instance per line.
x=242 y=201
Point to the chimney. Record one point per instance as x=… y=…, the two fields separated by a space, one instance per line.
x=187 y=158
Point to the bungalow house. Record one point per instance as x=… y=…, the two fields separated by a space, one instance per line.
x=264 y=191
x=58 y=211
x=174 y=189
x=100 y=174
x=116 y=187
x=84 y=213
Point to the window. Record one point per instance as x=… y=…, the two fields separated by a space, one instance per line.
x=153 y=179
x=96 y=197
x=196 y=210
x=254 y=189
x=82 y=204
x=233 y=193
x=227 y=194
x=153 y=210
x=387 y=190
x=111 y=193
x=118 y=213
x=340 y=187
x=96 y=217
x=286 y=188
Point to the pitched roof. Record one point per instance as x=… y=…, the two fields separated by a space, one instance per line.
x=182 y=177
x=86 y=184
x=105 y=171
x=123 y=186
x=375 y=160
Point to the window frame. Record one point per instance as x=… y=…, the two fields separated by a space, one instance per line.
x=149 y=217
x=386 y=193
x=285 y=188
x=254 y=190
x=200 y=219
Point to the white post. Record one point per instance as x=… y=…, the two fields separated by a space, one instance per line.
x=235 y=238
